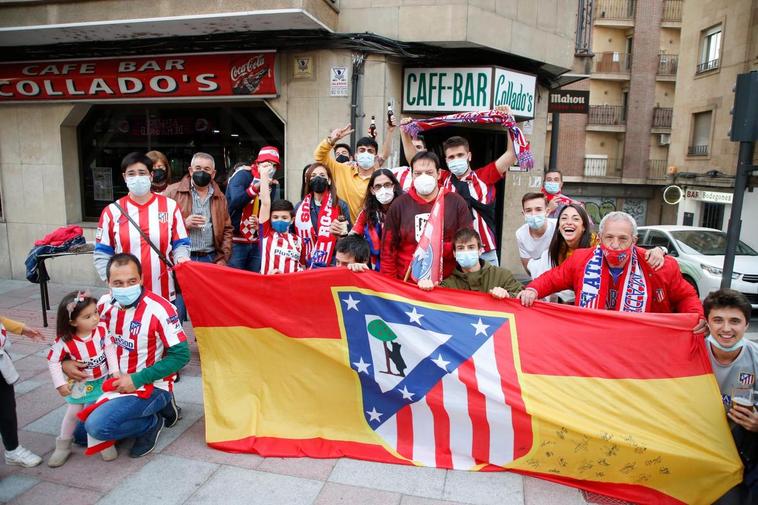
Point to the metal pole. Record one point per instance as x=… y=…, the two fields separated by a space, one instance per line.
x=358 y=59
x=744 y=167
x=553 y=164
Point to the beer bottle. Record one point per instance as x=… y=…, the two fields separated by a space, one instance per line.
x=372 y=128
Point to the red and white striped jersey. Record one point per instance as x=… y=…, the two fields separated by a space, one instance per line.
x=403 y=176
x=481 y=188
x=280 y=251
x=90 y=351
x=161 y=220
x=142 y=333
x=3 y=335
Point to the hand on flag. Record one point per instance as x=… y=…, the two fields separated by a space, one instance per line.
x=527 y=297
x=499 y=293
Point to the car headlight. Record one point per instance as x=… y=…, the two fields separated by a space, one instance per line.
x=718 y=271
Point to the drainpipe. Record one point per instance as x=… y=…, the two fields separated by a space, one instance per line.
x=358 y=61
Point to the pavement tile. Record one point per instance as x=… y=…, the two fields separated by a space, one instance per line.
x=31 y=362
x=417 y=500
x=37 y=403
x=417 y=481
x=337 y=494
x=148 y=485
x=238 y=486
x=27 y=384
x=47 y=493
x=484 y=488
x=190 y=414
x=189 y=389
x=14 y=485
x=50 y=423
x=20 y=350
x=538 y=492
x=191 y=444
x=307 y=468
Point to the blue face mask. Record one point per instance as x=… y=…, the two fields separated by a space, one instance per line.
x=458 y=166
x=365 y=160
x=467 y=259
x=535 y=221
x=736 y=347
x=280 y=226
x=127 y=296
x=552 y=187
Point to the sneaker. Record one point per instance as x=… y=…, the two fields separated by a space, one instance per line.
x=21 y=456
x=145 y=444
x=171 y=413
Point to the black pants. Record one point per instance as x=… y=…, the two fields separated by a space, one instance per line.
x=8 y=421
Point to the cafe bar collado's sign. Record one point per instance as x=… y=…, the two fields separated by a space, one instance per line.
x=461 y=89
x=230 y=75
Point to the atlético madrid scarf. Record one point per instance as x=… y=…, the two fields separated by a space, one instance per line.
x=597 y=293
x=319 y=245
x=495 y=117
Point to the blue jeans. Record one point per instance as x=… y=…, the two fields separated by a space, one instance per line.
x=181 y=308
x=126 y=417
x=246 y=257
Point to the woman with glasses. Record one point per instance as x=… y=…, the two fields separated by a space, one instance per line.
x=382 y=190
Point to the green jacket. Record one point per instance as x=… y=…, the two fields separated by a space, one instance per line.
x=483 y=279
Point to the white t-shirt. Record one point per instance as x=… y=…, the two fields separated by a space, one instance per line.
x=528 y=246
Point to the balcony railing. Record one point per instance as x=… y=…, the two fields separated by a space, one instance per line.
x=609 y=115
x=672 y=11
x=662 y=117
x=613 y=63
x=707 y=65
x=697 y=150
x=602 y=167
x=656 y=169
x=667 y=64
x=616 y=10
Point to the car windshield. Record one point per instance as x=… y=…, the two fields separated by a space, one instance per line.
x=708 y=243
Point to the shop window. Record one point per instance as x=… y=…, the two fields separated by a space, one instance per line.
x=701 y=134
x=710 y=49
x=231 y=133
x=712 y=215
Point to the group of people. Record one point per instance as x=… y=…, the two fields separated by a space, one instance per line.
x=124 y=350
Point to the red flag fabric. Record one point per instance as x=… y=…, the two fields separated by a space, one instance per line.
x=427 y=259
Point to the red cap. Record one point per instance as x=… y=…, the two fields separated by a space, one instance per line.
x=268 y=153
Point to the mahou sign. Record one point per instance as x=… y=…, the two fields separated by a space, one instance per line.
x=234 y=75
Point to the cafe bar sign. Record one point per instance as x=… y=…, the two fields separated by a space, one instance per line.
x=468 y=89
x=175 y=76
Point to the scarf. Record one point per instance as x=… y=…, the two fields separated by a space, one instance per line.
x=494 y=117
x=373 y=235
x=319 y=246
x=596 y=291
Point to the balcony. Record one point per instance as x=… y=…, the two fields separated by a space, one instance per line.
x=672 y=13
x=614 y=13
x=602 y=166
x=667 y=65
x=697 y=150
x=612 y=66
x=656 y=169
x=662 y=119
x=707 y=66
x=606 y=118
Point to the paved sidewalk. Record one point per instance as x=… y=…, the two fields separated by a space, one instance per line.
x=184 y=470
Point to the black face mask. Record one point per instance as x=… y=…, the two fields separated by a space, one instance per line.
x=201 y=179
x=342 y=158
x=319 y=184
x=159 y=176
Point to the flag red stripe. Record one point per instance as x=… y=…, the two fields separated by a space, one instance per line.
x=444 y=458
x=477 y=411
x=404 y=422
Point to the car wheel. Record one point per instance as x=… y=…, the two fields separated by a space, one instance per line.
x=692 y=283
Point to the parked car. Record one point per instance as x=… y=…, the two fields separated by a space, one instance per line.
x=700 y=253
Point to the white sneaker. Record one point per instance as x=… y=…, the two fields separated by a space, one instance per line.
x=21 y=456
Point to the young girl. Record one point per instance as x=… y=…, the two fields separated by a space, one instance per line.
x=81 y=337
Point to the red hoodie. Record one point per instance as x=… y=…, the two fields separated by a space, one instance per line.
x=403 y=226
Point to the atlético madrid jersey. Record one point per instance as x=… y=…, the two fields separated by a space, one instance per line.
x=91 y=352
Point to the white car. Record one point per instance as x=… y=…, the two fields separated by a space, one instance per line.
x=700 y=253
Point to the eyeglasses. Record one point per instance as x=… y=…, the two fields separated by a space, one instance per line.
x=386 y=185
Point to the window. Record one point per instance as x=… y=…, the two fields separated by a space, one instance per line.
x=710 y=49
x=712 y=215
x=655 y=238
x=701 y=134
x=229 y=132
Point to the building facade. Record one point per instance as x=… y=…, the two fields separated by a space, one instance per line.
x=719 y=41
x=615 y=157
x=84 y=82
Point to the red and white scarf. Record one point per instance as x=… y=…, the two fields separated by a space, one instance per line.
x=597 y=292
x=319 y=244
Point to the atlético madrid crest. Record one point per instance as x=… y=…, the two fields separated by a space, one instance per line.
x=421 y=368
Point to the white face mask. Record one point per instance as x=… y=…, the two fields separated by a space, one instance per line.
x=424 y=184
x=139 y=185
x=365 y=160
x=385 y=195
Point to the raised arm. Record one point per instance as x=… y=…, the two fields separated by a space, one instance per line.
x=264 y=213
x=321 y=155
x=408 y=148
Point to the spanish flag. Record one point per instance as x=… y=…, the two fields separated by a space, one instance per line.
x=330 y=363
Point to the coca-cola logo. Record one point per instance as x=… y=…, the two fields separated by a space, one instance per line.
x=248 y=67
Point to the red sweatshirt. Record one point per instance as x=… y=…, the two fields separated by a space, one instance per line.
x=406 y=218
